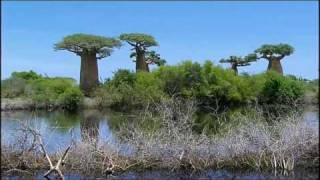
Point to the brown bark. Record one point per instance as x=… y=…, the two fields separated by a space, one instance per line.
x=147 y=67
x=234 y=68
x=88 y=73
x=275 y=65
x=141 y=64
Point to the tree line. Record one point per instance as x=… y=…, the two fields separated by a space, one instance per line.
x=91 y=48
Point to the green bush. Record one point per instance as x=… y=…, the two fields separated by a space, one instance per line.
x=16 y=84
x=280 y=89
x=123 y=76
x=207 y=83
x=212 y=86
x=128 y=90
x=71 y=98
x=47 y=90
x=31 y=75
x=57 y=91
x=147 y=88
x=13 y=87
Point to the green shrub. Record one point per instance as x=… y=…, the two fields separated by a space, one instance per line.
x=128 y=90
x=47 y=90
x=280 y=89
x=171 y=79
x=71 y=98
x=123 y=76
x=13 y=87
x=16 y=84
x=31 y=75
x=207 y=83
x=147 y=88
x=212 y=86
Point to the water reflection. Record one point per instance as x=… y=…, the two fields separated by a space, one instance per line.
x=99 y=126
x=89 y=125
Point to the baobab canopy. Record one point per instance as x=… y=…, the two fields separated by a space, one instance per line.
x=140 y=42
x=139 y=39
x=278 y=50
x=91 y=44
x=90 y=48
x=237 y=61
x=274 y=53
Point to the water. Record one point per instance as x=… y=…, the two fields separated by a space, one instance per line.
x=206 y=175
x=55 y=128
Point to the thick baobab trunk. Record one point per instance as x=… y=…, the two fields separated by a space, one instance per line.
x=275 y=65
x=148 y=70
x=88 y=73
x=234 y=68
x=141 y=64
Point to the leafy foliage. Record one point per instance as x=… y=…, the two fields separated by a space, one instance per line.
x=86 y=43
x=31 y=75
x=280 y=89
x=240 y=61
x=278 y=50
x=42 y=90
x=212 y=86
x=71 y=98
x=123 y=76
x=151 y=57
x=139 y=39
x=13 y=87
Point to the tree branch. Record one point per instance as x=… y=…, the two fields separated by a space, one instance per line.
x=132 y=44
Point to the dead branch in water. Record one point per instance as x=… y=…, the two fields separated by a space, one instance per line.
x=38 y=141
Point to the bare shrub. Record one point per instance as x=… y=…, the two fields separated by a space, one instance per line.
x=164 y=138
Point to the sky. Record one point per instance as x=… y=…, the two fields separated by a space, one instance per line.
x=196 y=31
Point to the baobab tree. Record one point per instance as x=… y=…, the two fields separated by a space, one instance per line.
x=140 y=42
x=237 y=61
x=151 y=57
x=274 y=54
x=90 y=48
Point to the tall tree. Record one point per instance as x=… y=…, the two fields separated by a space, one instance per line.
x=237 y=61
x=90 y=48
x=274 y=54
x=140 y=42
x=151 y=57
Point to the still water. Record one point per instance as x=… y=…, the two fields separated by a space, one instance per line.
x=55 y=128
x=206 y=175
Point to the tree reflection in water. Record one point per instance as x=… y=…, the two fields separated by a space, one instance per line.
x=89 y=126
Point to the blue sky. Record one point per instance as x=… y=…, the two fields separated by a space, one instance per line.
x=184 y=30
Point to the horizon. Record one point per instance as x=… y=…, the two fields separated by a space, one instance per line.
x=182 y=30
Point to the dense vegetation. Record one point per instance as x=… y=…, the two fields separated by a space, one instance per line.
x=92 y=48
x=43 y=91
x=210 y=85
x=168 y=143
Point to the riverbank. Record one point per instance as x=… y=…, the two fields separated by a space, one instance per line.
x=8 y=104
x=167 y=142
x=298 y=174
x=248 y=148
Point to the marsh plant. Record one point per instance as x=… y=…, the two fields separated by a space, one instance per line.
x=164 y=138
